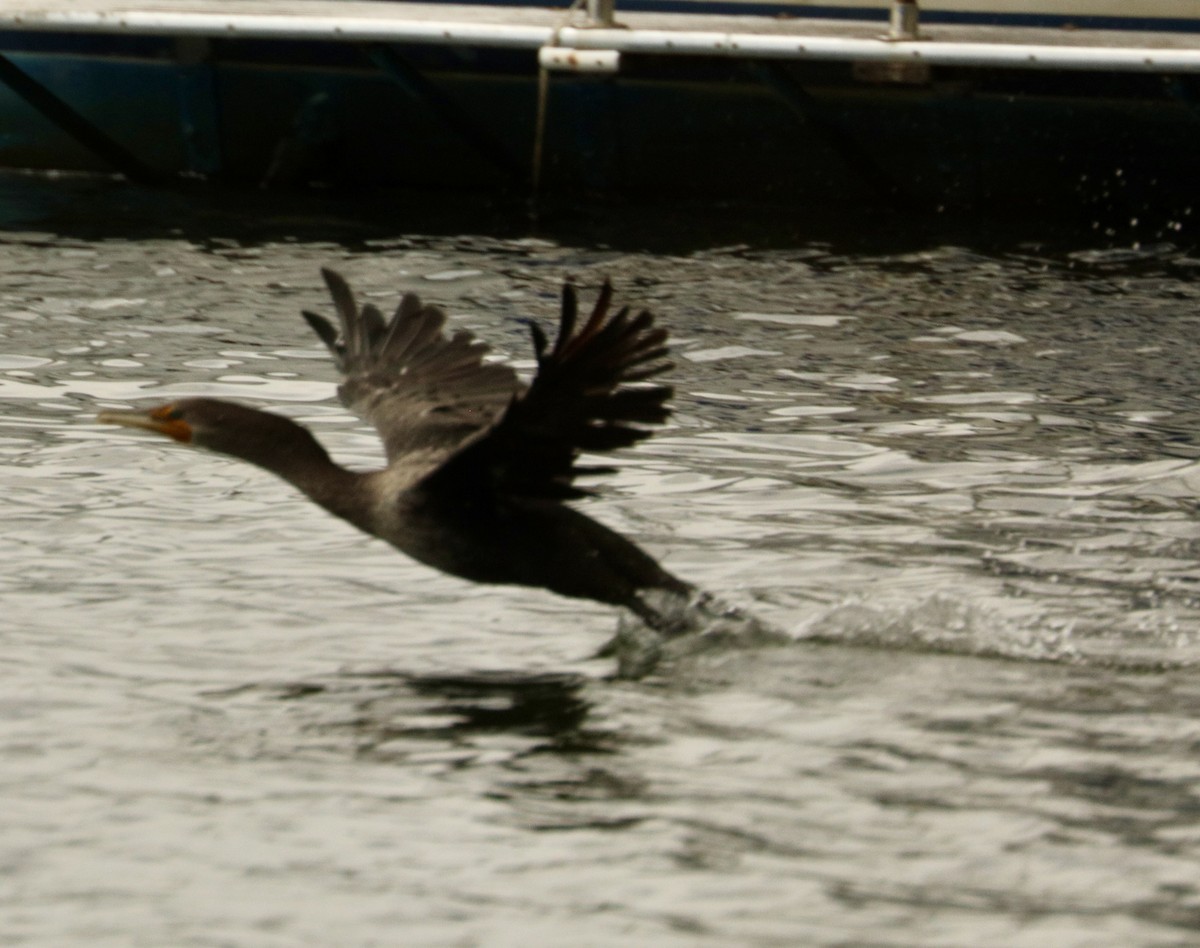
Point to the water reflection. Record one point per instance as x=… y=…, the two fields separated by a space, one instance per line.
x=389 y=715
x=457 y=708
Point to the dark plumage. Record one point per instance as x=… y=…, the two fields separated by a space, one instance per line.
x=478 y=464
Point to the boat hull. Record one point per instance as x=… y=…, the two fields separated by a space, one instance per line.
x=288 y=112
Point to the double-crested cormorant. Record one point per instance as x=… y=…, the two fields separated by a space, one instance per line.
x=479 y=465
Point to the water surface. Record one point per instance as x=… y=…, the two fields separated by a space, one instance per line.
x=962 y=480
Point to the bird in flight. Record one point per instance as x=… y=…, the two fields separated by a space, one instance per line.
x=481 y=467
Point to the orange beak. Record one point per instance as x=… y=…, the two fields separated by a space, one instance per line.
x=157 y=419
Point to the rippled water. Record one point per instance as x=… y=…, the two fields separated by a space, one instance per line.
x=963 y=481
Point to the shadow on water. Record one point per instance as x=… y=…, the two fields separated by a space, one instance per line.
x=548 y=706
x=392 y=716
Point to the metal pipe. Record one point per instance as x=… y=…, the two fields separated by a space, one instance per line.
x=1015 y=56
x=937 y=53
x=571 y=59
x=659 y=42
x=281 y=26
x=902 y=24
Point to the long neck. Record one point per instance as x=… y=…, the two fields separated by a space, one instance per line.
x=327 y=483
x=290 y=451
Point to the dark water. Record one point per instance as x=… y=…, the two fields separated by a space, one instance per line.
x=959 y=472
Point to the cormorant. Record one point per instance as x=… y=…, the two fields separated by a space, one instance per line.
x=480 y=466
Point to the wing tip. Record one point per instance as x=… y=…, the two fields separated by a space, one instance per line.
x=323 y=328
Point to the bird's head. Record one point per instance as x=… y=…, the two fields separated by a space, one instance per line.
x=189 y=420
x=259 y=437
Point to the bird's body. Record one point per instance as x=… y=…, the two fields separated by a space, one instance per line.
x=480 y=466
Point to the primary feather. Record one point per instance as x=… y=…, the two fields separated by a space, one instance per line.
x=454 y=418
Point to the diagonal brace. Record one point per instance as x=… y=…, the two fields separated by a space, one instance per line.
x=61 y=114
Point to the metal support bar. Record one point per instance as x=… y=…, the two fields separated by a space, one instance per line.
x=602 y=12
x=413 y=81
x=903 y=25
x=79 y=128
x=604 y=62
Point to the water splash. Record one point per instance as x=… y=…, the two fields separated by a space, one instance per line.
x=690 y=626
x=946 y=624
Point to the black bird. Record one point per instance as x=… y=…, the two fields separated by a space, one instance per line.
x=479 y=465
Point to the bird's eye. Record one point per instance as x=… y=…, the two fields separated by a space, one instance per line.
x=170 y=414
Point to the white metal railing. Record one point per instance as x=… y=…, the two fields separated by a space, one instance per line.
x=667 y=42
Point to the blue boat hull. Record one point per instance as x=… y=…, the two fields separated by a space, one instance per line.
x=309 y=113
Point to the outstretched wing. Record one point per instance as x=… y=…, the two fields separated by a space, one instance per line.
x=421 y=391
x=580 y=400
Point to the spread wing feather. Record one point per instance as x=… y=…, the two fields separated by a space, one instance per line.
x=421 y=391
x=469 y=426
x=579 y=400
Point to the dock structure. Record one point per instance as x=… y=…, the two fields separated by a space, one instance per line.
x=603 y=99
x=636 y=31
